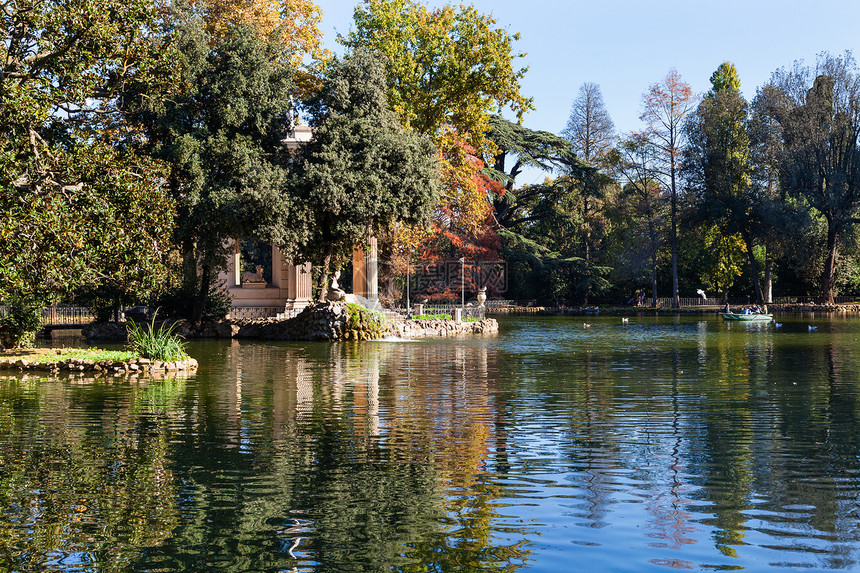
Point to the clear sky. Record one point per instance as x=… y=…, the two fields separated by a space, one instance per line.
x=627 y=45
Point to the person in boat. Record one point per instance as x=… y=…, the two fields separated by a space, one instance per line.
x=727 y=309
x=746 y=310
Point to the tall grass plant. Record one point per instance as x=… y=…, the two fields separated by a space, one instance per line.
x=156 y=343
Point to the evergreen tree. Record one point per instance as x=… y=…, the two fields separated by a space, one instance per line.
x=222 y=136
x=718 y=164
x=362 y=171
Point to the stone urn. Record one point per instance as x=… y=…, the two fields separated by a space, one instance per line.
x=482 y=296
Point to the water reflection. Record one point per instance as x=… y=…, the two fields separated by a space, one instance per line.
x=666 y=443
x=82 y=484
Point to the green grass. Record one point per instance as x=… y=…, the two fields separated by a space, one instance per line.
x=94 y=354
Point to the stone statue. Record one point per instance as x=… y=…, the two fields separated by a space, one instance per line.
x=249 y=277
x=335 y=293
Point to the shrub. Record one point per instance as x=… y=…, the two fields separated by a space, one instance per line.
x=440 y=316
x=20 y=325
x=363 y=324
x=156 y=344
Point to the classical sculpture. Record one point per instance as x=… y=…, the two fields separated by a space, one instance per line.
x=249 y=277
x=335 y=293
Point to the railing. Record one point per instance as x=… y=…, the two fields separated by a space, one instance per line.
x=469 y=311
x=61 y=315
x=255 y=312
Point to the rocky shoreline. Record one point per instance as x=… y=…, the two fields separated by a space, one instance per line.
x=109 y=367
x=327 y=321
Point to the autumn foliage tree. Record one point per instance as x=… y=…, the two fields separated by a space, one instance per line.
x=290 y=25
x=666 y=105
x=448 y=70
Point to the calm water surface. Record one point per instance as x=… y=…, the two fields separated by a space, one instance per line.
x=657 y=444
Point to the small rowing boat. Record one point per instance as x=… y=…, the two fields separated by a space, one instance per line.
x=746 y=317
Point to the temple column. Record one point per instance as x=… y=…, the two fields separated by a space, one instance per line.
x=365 y=271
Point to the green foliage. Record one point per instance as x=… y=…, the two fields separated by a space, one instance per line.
x=530 y=148
x=446 y=67
x=19 y=326
x=818 y=113
x=362 y=170
x=222 y=136
x=173 y=302
x=79 y=206
x=537 y=272
x=725 y=77
x=156 y=343
x=364 y=324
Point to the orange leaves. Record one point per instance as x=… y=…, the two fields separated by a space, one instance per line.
x=666 y=105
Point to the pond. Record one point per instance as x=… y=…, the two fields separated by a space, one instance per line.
x=647 y=445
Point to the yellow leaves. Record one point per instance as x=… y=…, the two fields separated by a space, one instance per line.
x=448 y=66
x=293 y=25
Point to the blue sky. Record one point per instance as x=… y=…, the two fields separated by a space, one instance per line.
x=625 y=46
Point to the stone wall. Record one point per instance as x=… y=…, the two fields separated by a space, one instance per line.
x=114 y=367
x=435 y=328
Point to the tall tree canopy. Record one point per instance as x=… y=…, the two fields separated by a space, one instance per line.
x=291 y=27
x=520 y=147
x=79 y=208
x=446 y=67
x=222 y=135
x=818 y=112
x=363 y=171
x=718 y=164
x=666 y=105
x=589 y=127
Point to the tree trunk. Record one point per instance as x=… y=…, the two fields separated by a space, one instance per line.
x=676 y=303
x=829 y=264
x=654 y=246
x=189 y=267
x=199 y=303
x=654 y=283
x=768 y=279
x=323 y=284
x=759 y=298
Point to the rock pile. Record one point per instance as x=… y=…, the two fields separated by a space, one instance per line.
x=323 y=321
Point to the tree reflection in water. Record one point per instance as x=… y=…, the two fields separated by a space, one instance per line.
x=86 y=480
x=669 y=443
